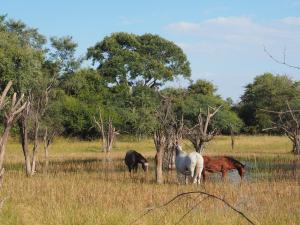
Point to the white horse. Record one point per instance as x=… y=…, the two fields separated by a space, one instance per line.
x=189 y=164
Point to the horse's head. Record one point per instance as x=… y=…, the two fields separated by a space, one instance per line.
x=145 y=166
x=178 y=148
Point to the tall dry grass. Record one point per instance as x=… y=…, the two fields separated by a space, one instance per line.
x=84 y=186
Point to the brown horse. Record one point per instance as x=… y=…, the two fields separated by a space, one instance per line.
x=222 y=164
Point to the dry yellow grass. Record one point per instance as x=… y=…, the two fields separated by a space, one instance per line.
x=81 y=187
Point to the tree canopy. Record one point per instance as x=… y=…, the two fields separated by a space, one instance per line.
x=130 y=59
x=269 y=92
x=126 y=83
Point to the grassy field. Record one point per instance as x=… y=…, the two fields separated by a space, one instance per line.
x=84 y=186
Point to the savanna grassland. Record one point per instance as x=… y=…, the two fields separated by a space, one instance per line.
x=84 y=186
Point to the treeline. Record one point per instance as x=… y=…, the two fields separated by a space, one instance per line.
x=124 y=84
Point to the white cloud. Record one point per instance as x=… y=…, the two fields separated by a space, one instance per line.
x=237 y=33
x=294 y=21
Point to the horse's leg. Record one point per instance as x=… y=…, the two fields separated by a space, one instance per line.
x=129 y=169
x=199 y=175
x=203 y=175
x=194 y=174
x=135 y=168
x=224 y=174
x=178 y=177
x=186 y=177
x=241 y=174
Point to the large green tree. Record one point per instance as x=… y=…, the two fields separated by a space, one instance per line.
x=129 y=59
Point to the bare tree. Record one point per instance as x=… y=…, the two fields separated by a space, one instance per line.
x=11 y=114
x=200 y=134
x=173 y=135
x=100 y=127
x=160 y=143
x=34 y=112
x=289 y=122
x=162 y=135
x=110 y=136
x=108 y=132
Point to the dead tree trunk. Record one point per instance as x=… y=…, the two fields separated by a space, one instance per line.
x=111 y=133
x=296 y=145
x=199 y=135
x=107 y=135
x=162 y=134
x=35 y=144
x=23 y=126
x=46 y=147
x=35 y=111
x=100 y=126
x=160 y=142
x=10 y=116
x=173 y=135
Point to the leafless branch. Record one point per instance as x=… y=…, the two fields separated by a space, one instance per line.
x=288 y=122
x=196 y=192
x=4 y=93
x=279 y=61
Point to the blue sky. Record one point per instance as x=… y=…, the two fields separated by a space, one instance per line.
x=223 y=39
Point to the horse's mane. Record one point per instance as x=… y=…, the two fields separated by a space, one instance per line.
x=140 y=157
x=234 y=160
x=178 y=149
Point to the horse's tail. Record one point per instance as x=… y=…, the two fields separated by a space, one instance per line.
x=199 y=168
x=199 y=164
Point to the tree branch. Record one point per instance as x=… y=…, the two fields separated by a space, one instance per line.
x=280 y=62
x=196 y=192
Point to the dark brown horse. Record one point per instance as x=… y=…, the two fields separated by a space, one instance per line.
x=133 y=158
x=222 y=164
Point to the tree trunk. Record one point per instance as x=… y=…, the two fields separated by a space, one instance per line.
x=24 y=139
x=160 y=144
x=296 y=146
x=110 y=135
x=46 y=147
x=171 y=160
x=159 y=166
x=232 y=138
x=198 y=145
x=3 y=142
x=35 y=146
